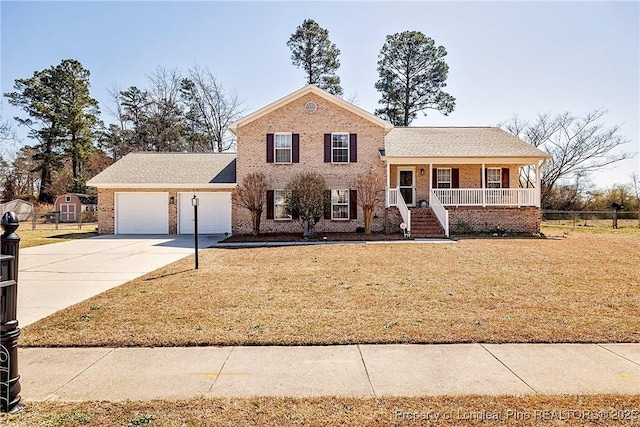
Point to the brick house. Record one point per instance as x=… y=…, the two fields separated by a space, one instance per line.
x=439 y=179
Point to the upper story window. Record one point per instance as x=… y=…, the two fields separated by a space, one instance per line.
x=67 y=198
x=443 y=178
x=339 y=148
x=494 y=177
x=282 y=147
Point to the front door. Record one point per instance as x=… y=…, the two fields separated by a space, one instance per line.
x=407 y=185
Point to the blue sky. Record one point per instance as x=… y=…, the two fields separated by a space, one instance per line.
x=505 y=58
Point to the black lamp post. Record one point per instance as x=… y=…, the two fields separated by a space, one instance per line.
x=9 y=331
x=195 y=202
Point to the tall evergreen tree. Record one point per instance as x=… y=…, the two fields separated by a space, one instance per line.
x=312 y=51
x=62 y=117
x=412 y=74
x=81 y=121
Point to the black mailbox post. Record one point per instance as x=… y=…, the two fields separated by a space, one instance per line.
x=9 y=331
x=616 y=207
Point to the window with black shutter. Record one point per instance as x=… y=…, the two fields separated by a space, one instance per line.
x=269 y=148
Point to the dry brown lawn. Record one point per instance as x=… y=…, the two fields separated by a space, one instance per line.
x=584 y=288
x=29 y=238
x=598 y=410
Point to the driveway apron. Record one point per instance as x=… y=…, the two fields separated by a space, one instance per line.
x=56 y=276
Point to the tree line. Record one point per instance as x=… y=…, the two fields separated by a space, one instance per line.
x=190 y=112
x=176 y=112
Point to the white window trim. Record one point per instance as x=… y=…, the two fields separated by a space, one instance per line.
x=450 y=182
x=348 y=148
x=275 y=148
x=341 y=204
x=499 y=181
x=275 y=205
x=67 y=199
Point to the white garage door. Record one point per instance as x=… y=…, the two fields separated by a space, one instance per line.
x=214 y=213
x=142 y=213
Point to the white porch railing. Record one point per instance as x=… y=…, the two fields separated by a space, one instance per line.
x=441 y=213
x=487 y=196
x=394 y=198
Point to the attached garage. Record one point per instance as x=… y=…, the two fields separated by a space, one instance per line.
x=150 y=193
x=214 y=213
x=141 y=213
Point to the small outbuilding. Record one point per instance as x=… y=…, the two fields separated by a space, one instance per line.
x=71 y=206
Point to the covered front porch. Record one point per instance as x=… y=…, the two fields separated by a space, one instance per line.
x=441 y=185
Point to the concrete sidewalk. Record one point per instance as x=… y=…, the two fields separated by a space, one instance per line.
x=350 y=370
x=56 y=276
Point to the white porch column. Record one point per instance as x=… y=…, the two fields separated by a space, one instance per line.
x=538 y=183
x=388 y=175
x=484 y=186
x=388 y=182
x=430 y=181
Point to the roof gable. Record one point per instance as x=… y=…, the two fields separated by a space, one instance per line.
x=233 y=127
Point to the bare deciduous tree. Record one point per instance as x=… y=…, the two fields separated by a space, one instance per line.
x=306 y=200
x=370 y=193
x=251 y=195
x=164 y=116
x=7 y=135
x=210 y=110
x=578 y=145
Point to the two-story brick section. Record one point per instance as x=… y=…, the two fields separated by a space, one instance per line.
x=439 y=179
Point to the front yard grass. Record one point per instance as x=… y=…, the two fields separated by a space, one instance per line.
x=584 y=288
x=530 y=410
x=29 y=238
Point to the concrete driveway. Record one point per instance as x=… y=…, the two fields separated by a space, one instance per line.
x=52 y=277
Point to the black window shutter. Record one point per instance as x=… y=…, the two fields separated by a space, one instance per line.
x=455 y=178
x=327 y=148
x=269 y=148
x=505 y=177
x=434 y=178
x=270 y=206
x=327 y=204
x=295 y=148
x=353 y=204
x=486 y=177
x=353 y=147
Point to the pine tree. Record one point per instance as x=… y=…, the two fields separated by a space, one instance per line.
x=412 y=74
x=62 y=118
x=312 y=51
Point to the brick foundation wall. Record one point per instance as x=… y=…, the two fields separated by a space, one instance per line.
x=517 y=220
x=106 y=205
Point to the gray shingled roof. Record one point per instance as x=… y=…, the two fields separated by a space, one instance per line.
x=86 y=199
x=169 y=168
x=456 y=142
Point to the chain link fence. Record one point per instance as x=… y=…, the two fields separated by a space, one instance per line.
x=52 y=220
x=44 y=217
x=591 y=218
